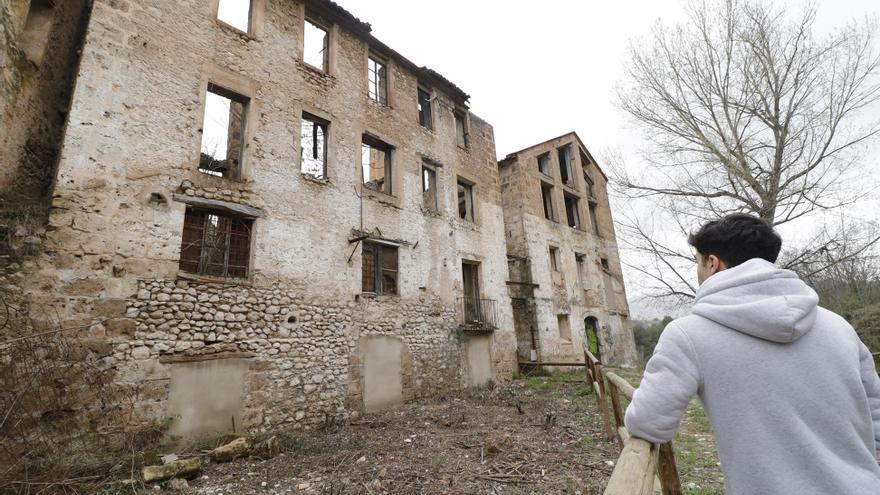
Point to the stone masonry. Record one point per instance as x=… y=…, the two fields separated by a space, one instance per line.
x=337 y=293
x=561 y=209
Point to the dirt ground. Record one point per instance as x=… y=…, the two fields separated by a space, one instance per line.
x=536 y=435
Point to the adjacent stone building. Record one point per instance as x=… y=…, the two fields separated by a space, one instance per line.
x=565 y=282
x=263 y=216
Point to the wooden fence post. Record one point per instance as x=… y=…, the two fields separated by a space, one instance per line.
x=603 y=402
x=667 y=471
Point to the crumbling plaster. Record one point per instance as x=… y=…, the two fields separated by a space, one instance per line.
x=529 y=236
x=134 y=132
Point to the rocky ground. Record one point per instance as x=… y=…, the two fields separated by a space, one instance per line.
x=535 y=435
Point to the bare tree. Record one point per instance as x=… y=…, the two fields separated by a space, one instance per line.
x=744 y=109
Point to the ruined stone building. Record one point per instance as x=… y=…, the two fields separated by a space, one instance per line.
x=566 y=283
x=266 y=215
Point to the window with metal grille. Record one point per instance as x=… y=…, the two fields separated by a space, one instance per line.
x=313 y=146
x=315 y=45
x=424 y=99
x=215 y=244
x=379 y=268
x=377 y=80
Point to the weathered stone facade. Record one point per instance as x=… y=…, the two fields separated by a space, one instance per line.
x=551 y=209
x=297 y=341
x=297 y=328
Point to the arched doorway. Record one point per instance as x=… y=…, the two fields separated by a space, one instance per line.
x=591 y=330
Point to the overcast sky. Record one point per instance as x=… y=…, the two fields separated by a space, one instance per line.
x=536 y=70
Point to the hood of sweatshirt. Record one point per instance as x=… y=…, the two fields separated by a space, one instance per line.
x=759 y=299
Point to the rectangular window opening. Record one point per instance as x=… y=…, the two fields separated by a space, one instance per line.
x=544 y=164
x=223 y=133
x=580 y=260
x=554 y=258
x=591 y=193
x=461 y=131
x=236 y=13
x=379 y=268
x=37 y=28
x=376 y=164
x=594 y=219
x=564 y=328
x=424 y=102
x=605 y=264
x=465 y=201
x=316 y=42
x=377 y=80
x=313 y=146
x=429 y=187
x=564 y=154
x=215 y=244
x=572 y=211
x=547 y=199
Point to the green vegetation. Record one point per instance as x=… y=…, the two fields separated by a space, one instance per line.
x=647 y=335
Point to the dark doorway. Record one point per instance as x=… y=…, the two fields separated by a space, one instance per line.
x=591 y=329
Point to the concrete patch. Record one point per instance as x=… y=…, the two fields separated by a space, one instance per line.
x=205 y=397
x=383 y=372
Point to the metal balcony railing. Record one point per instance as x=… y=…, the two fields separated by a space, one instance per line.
x=478 y=314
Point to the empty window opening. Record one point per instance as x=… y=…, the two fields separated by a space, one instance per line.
x=465 y=201
x=313 y=146
x=580 y=260
x=461 y=134
x=236 y=13
x=429 y=187
x=544 y=164
x=594 y=219
x=316 y=42
x=591 y=193
x=379 y=268
x=37 y=26
x=424 y=99
x=572 y=211
x=377 y=77
x=376 y=164
x=564 y=328
x=554 y=258
x=222 y=133
x=605 y=264
x=564 y=154
x=215 y=244
x=547 y=199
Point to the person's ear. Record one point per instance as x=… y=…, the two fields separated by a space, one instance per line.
x=715 y=264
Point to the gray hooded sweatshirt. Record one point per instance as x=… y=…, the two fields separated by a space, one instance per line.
x=789 y=388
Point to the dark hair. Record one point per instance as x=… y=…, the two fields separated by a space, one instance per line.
x=737 y=238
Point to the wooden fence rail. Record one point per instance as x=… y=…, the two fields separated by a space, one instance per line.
x=643 y=468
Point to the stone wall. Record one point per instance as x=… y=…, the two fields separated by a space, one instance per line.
x=132 y=149
x=590 y=290
x=38 y=63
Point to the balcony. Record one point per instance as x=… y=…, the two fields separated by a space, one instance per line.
x=477 y=315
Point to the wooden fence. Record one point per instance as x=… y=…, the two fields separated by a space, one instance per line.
x=643 y=468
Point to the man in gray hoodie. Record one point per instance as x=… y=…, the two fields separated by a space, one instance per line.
x=790 y=390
